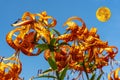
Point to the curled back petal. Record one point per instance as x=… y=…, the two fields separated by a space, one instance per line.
x=14 y=43
x=9 y=39
x=43 y=18
x=75 y=18
x=111 y=52
x=22 y=23
x=27 y=18
x=71 y=25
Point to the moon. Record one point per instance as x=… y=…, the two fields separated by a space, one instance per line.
x=103 y=14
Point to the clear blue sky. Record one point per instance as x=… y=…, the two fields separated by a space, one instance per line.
x=11 y=10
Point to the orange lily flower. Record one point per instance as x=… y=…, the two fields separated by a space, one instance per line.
x=10 y=68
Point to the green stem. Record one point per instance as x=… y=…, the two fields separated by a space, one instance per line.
x=85 y=71
x=57 y=74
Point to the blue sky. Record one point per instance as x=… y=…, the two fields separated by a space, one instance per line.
x=11 y=10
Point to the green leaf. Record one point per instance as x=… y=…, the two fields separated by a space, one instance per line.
x=80 y=63
x=45 y=76
x=52 y=32
x=99 y=76
x=52 y=56
x=52 y=42
x=66 y=31
x=57 y=32
x=93 y=76
x=43 y=46
x=63 y=73
x=47 y=71
x=52 y=63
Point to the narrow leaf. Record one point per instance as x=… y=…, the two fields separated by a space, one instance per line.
x=93 y=76
x=66 y=31
x=99 y=76
x=42 y=46
x=52 y=56
x=52 y=42
x=47 y=71
x=45 y=76
x=57 y=32
x=52 y=32
x=52 y=63
x=63 y=73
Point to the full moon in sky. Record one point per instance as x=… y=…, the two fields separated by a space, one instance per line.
x=103 y=14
